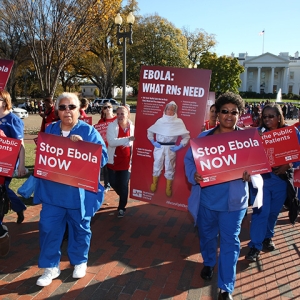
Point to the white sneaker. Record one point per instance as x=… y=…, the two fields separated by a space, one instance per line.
x=80 y=270
x=49 y=274
x=5 y=233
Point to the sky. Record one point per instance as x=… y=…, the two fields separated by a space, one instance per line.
x=236 y=24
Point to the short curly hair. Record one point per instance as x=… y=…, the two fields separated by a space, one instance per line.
x=230 y=97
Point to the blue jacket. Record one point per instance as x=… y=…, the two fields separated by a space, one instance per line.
x=63 y=195
x=237 y=189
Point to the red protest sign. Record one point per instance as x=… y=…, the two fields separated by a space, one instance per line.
x=246 y=119
x=9 y=152
x=74 y=163
x=224 y=157
x=88 y=120
x=297 y=178
x=281 y=146
x=102 y=128
x=189 y=89
x=5 y=68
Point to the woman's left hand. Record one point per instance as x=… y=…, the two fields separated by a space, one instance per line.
x=75 y=138
x=246 y=176
x=21 y=171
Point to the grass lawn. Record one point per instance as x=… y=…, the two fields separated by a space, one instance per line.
x=29 y=163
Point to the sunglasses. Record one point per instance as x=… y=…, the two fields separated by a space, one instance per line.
x=63 y=107
x=227 y=112
x=105 y=107
x=269 y=116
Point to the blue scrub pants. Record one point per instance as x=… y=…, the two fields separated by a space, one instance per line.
x=264 y=219
x=16 y=203
x=228 y=224
x=53 y=220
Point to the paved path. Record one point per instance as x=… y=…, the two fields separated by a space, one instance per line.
x=152 y=253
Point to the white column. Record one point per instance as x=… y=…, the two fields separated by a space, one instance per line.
x=272 y=80
x=285 y=80
x=245 y=80
x=258 y=80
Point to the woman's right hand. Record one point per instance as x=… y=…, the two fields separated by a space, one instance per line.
x=198 y=177
x=131 y=138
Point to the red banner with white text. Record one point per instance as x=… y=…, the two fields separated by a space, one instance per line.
x=281 y=146
x=5 y=69
x=9 y=152
x=189 y=89
x=224 y=157
x=74 y=163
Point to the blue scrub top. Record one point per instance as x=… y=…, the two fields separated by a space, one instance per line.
x=12 y=126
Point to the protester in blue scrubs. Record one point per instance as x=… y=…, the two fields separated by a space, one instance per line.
x=274 y=192
x=13 y=127
x=67 y=205
x=219 y=209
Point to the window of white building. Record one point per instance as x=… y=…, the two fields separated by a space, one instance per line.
x=276 y=75
x=250 y=76
x=290 y=89
x=292 y=75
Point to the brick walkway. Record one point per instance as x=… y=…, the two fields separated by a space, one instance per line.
x=152 y=253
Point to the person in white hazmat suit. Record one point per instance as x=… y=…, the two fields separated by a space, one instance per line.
x=166 y=131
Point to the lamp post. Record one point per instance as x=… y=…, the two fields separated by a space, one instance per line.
x=124 y=35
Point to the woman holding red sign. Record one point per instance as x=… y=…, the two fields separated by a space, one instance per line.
x=219 y=209
x=107 y=116
x=67 y=205
x=13 y=127
x=274 y=191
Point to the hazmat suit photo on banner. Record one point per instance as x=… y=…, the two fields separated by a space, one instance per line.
x=166 y=131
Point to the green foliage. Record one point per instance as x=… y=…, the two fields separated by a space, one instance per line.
x=198 y=42
x=96 y=93
x=225 y=72
x=29 y=163
x=156 y=42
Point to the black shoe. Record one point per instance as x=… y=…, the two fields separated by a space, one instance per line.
x=268 y=244
x=225 y=296
x=207 y=272
x=121 y=213
x=20 y=216
x=253 y=254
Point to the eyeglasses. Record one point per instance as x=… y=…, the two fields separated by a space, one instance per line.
x=227 y=112
x=269 y=116
x=63 y=107
x=105 y=107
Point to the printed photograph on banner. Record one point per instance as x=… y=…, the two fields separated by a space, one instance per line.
x=61 y=160
x=171 y=109
x=226 y=157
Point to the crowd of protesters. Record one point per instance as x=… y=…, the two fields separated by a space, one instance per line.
x=217 y=213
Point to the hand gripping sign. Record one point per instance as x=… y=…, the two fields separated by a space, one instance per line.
x=281 y=146
x=224 y=157
x=74 y=163
x=9 y=152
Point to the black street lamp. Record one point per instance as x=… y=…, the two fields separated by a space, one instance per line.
x=124 y=34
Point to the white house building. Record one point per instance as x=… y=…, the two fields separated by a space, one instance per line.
x=88 y=90
x=267 y=73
